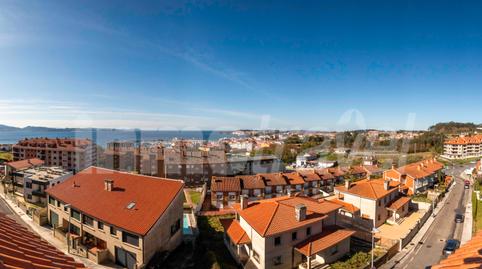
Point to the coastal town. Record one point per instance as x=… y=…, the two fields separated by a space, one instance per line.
x=206 y=134
x=156 y=204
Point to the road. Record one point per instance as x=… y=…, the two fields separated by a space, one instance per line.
x=429 y=252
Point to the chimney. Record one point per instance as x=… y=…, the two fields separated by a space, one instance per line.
x=290 y=193
x=244 y=202
x=386 y=185
x=300 y=212
x=394 y=166
x=419 y=167
x=347 y=184
x=108 y=184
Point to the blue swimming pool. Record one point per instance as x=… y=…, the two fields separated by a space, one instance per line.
x=186 y=228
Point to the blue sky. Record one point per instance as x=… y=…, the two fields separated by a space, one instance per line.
x=329 y=65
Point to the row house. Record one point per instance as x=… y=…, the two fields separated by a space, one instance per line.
x=286 y=232
x=109 y=216
x=225 y=191
x=371 y=202
x=417 y=177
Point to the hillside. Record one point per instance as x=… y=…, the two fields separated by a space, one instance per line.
x=454 y=127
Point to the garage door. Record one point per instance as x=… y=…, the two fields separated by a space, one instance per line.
x=125 y=258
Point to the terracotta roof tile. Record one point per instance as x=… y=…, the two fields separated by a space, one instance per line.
x=234 y=230
x=293 y=178
x=151 y=196
x=397 y=204
x=225 y=184
x=277 y=215
x=20 y=248
x=468 y=255
x=322 y=241
x=369 y=188
x=25 y=164
x=273 y=179
x=421 y=169
x=346 y=206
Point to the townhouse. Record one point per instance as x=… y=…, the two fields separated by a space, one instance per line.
x=21 y=248
x=286 y=232
x=68 y=153
x=371 y=202
x=463 y=147
x=225 y=191
x=417 y=177
x=106 y=215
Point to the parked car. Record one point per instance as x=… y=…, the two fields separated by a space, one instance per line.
x=466 y=184
x=450 y=246
x=459 y=218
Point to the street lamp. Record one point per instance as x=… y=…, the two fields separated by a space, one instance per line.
x=373 y=231
x=68 y=233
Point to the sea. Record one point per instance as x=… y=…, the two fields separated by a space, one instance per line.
x=103 y=136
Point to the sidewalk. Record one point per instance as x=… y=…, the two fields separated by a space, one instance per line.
x=47 y=235
x=395 y=260
x=468 y=222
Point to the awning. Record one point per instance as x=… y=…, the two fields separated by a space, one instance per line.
x=324 y=240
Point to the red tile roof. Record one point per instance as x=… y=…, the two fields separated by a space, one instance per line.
x=421 y=169
x=251 y=182
x=151 y=195
x=25 y=164
x=234 y=230
x=369 y=188
x=468 y=255
x=225 y=184
x=293 y=178
x=277 y=215
x=323 y=240
x=273 y=179
x=346 y=206
x=464 y=140
x=397 y=204
x=20 y=248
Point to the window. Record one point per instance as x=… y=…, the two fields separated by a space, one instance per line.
x=256 y=255
x=379 y=202
x=130 y=239
x=334 y=250
x=294 y=236
x=277 y=241
x=113 y=230
x=29 y=197
x=88 y=220
x=175 y=227
x=75 y=214
x=277 y=260
x=74 y=229
x=379 y=217
x=308 y=231
x=28 y=185
x=100 y=225
x=51 y=201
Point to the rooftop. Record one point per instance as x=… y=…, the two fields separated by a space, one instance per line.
x=421 y=169
x=277 y=215
x=327 y=238
x=151 y=196
x=369 y=188
x=20 y=248
x=25 y=164
x=43 y=173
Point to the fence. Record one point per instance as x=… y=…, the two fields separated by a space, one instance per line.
x=404 y=241
x=201 y=201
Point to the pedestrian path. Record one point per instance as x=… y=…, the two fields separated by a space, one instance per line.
x=468 y=221
x=47 y=235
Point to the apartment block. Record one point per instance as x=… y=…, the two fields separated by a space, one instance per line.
x=286 y=232
x=14 y=178
x=38 y=179
x=68 y=153
x=106 y=215
x=463 y=147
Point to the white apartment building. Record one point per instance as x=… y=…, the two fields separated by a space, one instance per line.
x=37 y=179
x=463 y=147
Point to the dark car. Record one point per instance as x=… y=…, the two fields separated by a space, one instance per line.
x=450 y=246
x=459 y=218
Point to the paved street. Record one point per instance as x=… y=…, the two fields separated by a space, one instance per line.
x=443 y=228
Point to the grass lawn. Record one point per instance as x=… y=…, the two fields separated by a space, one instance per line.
x=195 y=196
x=476 y=210
x=6 y=156
x=209 y=251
